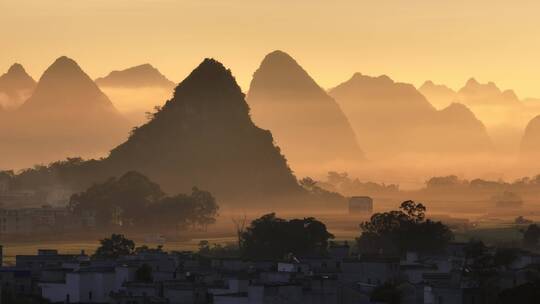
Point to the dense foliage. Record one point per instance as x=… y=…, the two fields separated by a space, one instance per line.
x=218 y=250
x=341 y=182
x=115 y=246
x=318 y=193
x=144 y=274
x=406 y=229
x=531 y=236
x=452 y=182
x=135 y=201
x=270 y=237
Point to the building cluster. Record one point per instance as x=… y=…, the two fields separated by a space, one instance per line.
x=182 y=277
x=14 y=198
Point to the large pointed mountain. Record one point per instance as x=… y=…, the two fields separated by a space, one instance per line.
x=204 y=137
x=15 y=87
x=394 y=118
x=64 y=85
x=67 y=115
x=308 y=125
x=144 y=75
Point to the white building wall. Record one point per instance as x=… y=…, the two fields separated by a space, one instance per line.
x=231 y=300
x=54 y=292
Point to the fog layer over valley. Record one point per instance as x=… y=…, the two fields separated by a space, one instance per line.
x=254 y=151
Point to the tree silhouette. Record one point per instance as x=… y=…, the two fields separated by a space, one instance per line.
x=398 y=231
x=115 y=246
x=273 y=237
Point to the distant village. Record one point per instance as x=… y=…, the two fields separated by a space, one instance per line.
x=287 y=261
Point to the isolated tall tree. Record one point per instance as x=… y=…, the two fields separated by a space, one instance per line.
x=273 y=237
x=114 y=247
x=398 y=231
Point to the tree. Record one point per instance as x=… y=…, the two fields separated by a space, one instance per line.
x=528 y=293
x=273 y=238
x=317 y=193
x=505 y=256
x=181 y=211
x=115 y=246
x=475 y=249
x=142 y=203
x=308 y=183
x=520 y=220
x=146 y=249
x=444 y=182
x=218 y=250
x=531 y=236
x=132 y=193
x=386 y=293
x=144 y=274
x=398 y=231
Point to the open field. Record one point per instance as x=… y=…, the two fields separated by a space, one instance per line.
x=342 y=225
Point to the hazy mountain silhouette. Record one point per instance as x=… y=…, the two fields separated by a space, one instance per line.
x=136 y=91
x=67 y=115
x=144 y=75
x=15 y=87
x=460 y=129
x=308 y=125
x=477 y=93
x=204 y=137
x=490 y=104
x=394 y=118
x=530 y=143
x=438 y=95
x=477 y=96
x=502 y=112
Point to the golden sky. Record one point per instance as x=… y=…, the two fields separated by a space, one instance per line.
x=409 y=40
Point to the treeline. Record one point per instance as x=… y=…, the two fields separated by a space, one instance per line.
x=452 y=182
x=391 y=233
x=341 y=182
x=135 y=201
x=72 y=173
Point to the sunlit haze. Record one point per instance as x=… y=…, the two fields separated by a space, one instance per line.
x=411 y=41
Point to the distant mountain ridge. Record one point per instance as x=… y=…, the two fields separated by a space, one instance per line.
x=477 y=93
x=308 y=125
x=15 y=87
x=439 y=95
x=140 y=76
x=67 y=115
x=394 y=118
x=65 y=85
